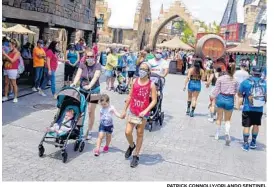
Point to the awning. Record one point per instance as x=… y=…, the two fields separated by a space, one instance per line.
x=244 y=48
x=175 y=43
x=18 y=29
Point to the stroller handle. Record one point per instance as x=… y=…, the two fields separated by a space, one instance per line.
x=158 y=76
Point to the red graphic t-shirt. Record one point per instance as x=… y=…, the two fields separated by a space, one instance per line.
x=53 y=60
x=140 y=97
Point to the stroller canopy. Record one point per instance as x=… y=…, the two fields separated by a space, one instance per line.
x=72 y=93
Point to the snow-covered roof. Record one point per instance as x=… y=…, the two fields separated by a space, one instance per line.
x=234 y=12
x=122 y=13
x=240 y=11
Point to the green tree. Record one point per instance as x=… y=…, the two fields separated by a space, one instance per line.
x=187 y=35
x=217 y=27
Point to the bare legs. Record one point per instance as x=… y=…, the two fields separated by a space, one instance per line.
x=140 y=135
x=91 y=112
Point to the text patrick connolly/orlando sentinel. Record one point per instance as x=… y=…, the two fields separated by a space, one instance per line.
x=216 y=185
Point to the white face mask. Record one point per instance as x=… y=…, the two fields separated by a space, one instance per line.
x=142 y=74
x=90 y=61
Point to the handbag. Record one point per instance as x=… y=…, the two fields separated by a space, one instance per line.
x=134 y=119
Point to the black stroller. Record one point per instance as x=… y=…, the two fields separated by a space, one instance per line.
x=156 y=114
x=68 y=99
x=122 y=87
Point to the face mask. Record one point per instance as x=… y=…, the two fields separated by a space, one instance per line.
x=6 y=44
x=90 y=62
x=158 y=56
x=42 y=45
x=142 y=73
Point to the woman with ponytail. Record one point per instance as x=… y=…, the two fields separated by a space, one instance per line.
x=194 y=77
x=224 y=92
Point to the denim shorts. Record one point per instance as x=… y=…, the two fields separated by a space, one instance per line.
x=106 y=129
x=109 y=73
x=225 y=102
x=194 y=86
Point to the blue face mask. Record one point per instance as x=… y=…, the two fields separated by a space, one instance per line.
x=6 y=44
x=158 y=56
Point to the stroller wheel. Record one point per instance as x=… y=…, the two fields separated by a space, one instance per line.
x=162 y=117
x=41 y=150
x=82 y=146
x=76 y=145
x=150 y=126
x=64 y=156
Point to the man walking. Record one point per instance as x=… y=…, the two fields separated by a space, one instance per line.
x=253 y=90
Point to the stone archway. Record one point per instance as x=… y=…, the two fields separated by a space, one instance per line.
x=177 y=9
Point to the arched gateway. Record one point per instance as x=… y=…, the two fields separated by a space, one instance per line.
x=177 y=9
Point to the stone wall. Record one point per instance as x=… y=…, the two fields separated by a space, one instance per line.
x=69 y=13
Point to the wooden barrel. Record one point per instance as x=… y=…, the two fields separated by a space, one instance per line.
x=210 y=45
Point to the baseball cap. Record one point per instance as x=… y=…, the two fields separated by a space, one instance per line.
x=40 y=42
x=256 y=71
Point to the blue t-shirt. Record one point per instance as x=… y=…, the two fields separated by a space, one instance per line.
x=72 y=57
x=245 y=88
x=103 y=59
x=131 y=62
x=121 y=61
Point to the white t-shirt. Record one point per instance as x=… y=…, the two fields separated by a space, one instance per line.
x=241 y=75
x=158 y=67
x=208 y=64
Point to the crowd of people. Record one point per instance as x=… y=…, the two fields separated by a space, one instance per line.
x=82 y=65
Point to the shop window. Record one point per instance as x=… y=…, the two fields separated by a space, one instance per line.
x=114 y=38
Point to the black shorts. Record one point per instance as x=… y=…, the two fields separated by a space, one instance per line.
x=69 y=72
x=130 y=74
x=251 y=118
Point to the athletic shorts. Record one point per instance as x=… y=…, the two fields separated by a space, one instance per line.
x=109 y=73
x=250 y=118
x=130 y=74
x=106 y=129
x=225 y=102
x=11 y=73
x=194 y=86
x=87 y=96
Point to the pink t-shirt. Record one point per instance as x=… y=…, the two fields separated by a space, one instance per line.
x=53 y=60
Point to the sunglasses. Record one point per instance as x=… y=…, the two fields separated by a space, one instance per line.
x=90 y=56
x=144 y=69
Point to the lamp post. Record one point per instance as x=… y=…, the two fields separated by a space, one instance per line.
x=262 y=27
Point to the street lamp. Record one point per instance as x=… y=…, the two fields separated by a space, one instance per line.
x=262 y=27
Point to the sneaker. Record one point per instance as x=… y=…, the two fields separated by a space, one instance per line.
x=191 y=114
x=42 y=93
x=252 y=145
x=245 y=147
x=5 y=99
x=227 y=140
x=135 y=161
x=215 y=117
x=217 y=136
x=210 y=120
x=129 y=151
x=34 y=89
x=96 y=152
x=55 y=96
x=15 y=100
x=187 y=111
x=105 y=149
x=89 y=136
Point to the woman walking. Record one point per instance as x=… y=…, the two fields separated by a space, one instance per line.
x=88 y=74
x=73 y=58
x=109 y=73
x=193 y=80
x=51 y=67
x=212 y=80
x=139 y=105
x=224 y=92
x=11 y=64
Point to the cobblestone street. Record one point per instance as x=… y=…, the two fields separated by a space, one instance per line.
x=184 y=148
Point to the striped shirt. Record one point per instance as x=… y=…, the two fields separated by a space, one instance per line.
x=225 y=85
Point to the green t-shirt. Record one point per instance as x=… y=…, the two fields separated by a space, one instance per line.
x=149 y=57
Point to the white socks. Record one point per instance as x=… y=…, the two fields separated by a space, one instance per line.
x=227 y=127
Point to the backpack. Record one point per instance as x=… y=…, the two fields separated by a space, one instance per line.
x=257 y=97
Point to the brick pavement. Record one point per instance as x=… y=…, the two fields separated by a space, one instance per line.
x=184 y=149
